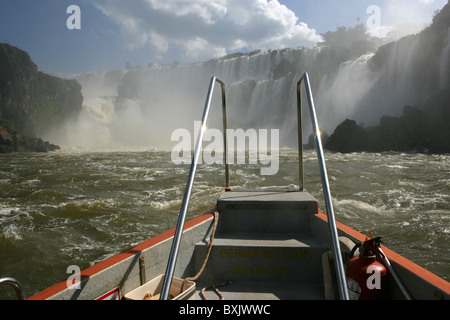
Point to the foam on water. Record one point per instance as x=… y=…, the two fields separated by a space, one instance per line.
x=73 y=207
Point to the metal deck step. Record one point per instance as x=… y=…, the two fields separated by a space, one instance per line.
x=258 y=291
x=266 y=211
x=264 y=247
x=268 y=258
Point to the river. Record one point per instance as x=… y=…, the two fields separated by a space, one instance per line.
x=74 y=207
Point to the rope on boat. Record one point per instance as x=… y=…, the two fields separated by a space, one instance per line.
x=215 y=212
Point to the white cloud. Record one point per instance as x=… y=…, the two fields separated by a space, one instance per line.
x=202 y=29
x=208 y=11
x=199 y=48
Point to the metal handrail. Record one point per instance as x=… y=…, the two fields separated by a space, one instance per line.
x=342 y=284
x=326 y=189
x=187 y=195
x=16 y=285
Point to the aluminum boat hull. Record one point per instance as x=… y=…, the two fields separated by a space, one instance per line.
x=267 y=246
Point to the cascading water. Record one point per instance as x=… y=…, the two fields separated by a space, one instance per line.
x=143 y=106
x=340 y=95
x=444 y=64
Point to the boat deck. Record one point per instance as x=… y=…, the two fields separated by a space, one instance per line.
x=264 y=248
x=257 y=291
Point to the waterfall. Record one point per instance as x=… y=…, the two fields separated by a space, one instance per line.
x=144 y=105
x=341 y=94
x=444 y=63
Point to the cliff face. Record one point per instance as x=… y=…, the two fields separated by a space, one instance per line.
x=31 y=101
x=417 y=68
x=416 y=65
x=415 y=131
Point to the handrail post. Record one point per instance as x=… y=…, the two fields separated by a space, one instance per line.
x=225 y=127
x=187 y=195
x=342 y=283
x=300 y=136
x=16 y=285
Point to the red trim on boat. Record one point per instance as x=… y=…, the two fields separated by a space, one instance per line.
x=407 y=264
x=89 y=272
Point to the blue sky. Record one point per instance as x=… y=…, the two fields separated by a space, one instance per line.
x=114 y=32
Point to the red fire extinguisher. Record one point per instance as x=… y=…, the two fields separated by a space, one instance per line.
x=365 y=275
